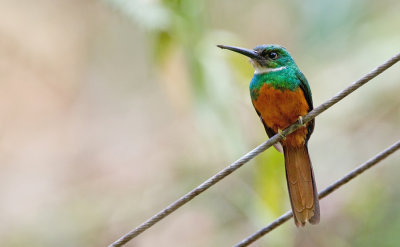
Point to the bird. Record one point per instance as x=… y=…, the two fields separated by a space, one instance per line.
x=281 y=95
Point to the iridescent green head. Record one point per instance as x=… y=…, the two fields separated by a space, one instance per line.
x=266 y=58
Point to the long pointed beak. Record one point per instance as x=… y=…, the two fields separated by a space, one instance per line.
x=249 y=53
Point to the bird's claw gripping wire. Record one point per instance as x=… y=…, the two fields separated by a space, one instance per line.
x=301 y=121
x=280 y=133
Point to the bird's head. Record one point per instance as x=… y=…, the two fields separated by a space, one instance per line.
x=265 y=58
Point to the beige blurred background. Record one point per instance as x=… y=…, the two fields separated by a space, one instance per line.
x=110 y=110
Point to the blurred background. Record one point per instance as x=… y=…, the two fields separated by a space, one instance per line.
x=110 y=110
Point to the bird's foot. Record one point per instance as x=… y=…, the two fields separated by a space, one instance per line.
x=301 y=121
x=280 y=133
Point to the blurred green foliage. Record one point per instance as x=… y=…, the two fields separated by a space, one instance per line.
x=310 y=27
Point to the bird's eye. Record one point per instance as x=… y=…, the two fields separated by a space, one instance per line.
x=273 y=55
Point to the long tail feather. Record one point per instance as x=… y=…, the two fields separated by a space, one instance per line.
x=301 y=185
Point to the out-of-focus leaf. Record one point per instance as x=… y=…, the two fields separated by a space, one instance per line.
x=162 y=45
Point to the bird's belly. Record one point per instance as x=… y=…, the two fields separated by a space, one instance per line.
x=280 y=108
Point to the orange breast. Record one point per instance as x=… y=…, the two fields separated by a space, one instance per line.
x=280 y=108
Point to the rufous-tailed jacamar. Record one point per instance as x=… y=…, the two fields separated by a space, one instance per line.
x=281 y=95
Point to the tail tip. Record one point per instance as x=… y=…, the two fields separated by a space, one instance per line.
x=301 y=222
x=314 y=220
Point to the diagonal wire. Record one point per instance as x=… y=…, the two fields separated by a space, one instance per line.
x=253 y=153
x=349 y=176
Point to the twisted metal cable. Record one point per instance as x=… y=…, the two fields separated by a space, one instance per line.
x=253 y=153
x=349 y=176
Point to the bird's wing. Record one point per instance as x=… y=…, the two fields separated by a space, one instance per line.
x=270 y=133
x=307 y=94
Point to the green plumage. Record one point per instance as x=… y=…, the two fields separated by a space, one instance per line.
x=284 y=80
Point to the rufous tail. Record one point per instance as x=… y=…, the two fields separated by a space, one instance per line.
x=301 y=185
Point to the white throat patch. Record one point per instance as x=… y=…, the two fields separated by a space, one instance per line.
x=263 y=70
